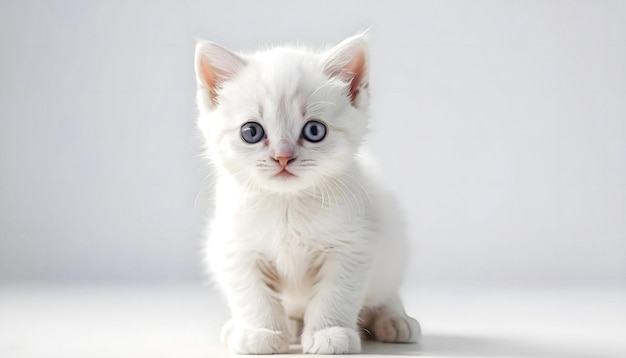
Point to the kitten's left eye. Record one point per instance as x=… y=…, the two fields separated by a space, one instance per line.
x=314 y=131
x=252 y=132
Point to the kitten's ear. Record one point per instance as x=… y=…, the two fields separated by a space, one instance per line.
x=349 y=60
x=215 y=65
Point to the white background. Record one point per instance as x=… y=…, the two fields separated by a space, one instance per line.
x=501 y=125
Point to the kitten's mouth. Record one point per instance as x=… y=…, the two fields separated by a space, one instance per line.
x=284 y=174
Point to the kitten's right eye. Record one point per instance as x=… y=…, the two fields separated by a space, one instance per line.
x=252 y=132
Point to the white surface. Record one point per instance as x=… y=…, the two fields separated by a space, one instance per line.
x=501 y=125
x=183 y=320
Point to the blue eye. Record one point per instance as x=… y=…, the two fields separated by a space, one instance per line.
x=252 y=132
x=314 y=131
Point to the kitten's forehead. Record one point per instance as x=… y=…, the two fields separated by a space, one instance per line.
x=285 y=82
x=282 y=88
x=286 y=73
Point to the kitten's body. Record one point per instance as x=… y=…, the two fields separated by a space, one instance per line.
x=315 y=239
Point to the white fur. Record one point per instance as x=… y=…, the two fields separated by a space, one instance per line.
x=327 y=246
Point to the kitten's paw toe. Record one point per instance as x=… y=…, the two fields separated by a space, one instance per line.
x=247 y=340
x=397 y=329
x=331 y=340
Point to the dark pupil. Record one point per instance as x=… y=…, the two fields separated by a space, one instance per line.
x=252 y=131
x=314 y=131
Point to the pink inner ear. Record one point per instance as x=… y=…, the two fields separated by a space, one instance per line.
x=209 y=76
x=354 y=71
x=214 y=66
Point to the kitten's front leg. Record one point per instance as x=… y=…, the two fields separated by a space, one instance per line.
x=330 y=320
x=259 y=323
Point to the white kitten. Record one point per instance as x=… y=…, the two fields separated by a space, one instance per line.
x=305 y=241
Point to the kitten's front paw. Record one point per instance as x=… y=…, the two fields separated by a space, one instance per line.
x=331 y=340
x=397 y=329
x=247 y=340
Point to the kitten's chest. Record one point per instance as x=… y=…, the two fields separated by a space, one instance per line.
x=286 y=222
x=291 y=235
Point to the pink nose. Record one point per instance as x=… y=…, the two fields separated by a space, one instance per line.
x=284 y=161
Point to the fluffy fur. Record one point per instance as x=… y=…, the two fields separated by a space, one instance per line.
x=313 y=248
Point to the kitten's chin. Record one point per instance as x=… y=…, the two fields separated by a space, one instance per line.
x=284 y=182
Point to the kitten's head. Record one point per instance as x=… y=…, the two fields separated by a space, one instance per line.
x=284 y=119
